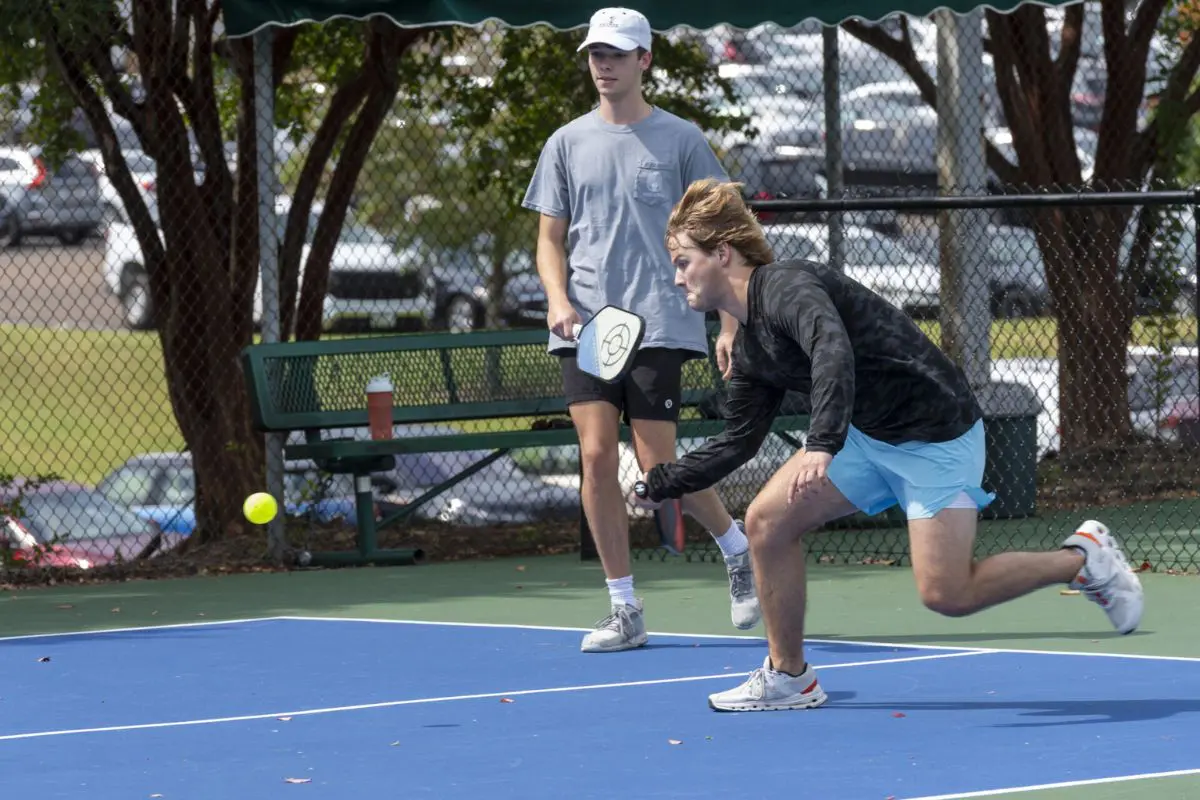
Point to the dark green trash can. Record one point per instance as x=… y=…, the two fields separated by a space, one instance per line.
x=1010 y=412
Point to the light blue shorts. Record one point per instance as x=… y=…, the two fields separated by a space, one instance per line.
x=922 y=477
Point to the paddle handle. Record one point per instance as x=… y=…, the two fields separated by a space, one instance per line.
x=576 y=329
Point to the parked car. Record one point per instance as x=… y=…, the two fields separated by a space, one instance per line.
x=502 y=492
x=368 y=283
x=143 y=170
x=64 y=202
x=79 y=526
x=459 y=277
x=161 y=487
x=881 y=263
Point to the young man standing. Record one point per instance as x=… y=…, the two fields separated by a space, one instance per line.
x=604 y=186
x=893 y=421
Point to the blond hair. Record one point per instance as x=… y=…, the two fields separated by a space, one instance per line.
x=712 y=213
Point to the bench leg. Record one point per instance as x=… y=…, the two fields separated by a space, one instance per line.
x=364 y=507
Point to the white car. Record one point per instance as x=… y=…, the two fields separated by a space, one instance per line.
x=142 y=168
x=368 y=282
x=897 y=274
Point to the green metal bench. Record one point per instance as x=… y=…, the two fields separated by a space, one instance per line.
x=467 y=379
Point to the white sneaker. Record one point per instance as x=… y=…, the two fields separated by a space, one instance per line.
x=743 y=599
x=1106 y=577
x=623 y=629
x=768 y=690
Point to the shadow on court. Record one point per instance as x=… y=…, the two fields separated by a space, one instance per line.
x=992 y=637
x=1049 y=713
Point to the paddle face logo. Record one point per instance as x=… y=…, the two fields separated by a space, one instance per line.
x=615 y=344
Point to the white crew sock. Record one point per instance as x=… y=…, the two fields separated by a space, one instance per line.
x=733 y=542
x=621 y=591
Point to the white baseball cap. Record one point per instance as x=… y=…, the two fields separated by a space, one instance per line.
x=622 y=28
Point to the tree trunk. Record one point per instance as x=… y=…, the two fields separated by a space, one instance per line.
x=1095 y=318
x=385 y=43
x=205 y=318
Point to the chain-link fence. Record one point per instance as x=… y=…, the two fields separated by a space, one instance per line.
x=131 y=278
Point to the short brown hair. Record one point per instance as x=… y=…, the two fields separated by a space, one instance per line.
x=712 y=213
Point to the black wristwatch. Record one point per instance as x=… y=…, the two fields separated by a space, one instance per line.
x=641 y=489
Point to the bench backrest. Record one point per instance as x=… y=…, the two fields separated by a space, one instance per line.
x=437 y=378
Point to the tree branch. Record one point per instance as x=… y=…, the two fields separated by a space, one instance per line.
x=1068 y=52
x=385 y=44
x=1145 y=22
x=1179 y=81
x=897 y=50
x=201 y=103
x=115 y=166
x=283 y=42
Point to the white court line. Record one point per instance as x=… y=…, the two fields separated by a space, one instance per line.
x=1063 y=785
x=855 y=642
x=425 y=700
x=514 y=626
x=137 y=628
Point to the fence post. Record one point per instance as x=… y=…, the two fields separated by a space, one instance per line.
x=962 y=170
x=834 y=182
x=268 y=255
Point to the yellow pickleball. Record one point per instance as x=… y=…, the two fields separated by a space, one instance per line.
x=260 y=508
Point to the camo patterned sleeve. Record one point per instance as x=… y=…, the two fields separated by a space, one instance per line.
x=750 y=408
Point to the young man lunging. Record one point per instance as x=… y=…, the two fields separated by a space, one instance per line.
x=893 y=421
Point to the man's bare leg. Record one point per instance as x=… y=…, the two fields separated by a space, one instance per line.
x=776 y=530
x=597 y=424
x=654 y=441
x=952 y=583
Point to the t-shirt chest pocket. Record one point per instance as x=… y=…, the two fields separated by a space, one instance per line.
x=656 y=182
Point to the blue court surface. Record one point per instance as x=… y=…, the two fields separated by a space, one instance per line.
x=294 y=708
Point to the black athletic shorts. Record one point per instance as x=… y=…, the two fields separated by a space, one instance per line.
x=651 y=390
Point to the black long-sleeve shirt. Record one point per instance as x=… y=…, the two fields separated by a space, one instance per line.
x=855 y=357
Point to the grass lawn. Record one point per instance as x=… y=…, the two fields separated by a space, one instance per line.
x=78 y=403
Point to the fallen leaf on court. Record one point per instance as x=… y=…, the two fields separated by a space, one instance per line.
x=898 y=715
x=116 y=610
x=1146 y=567
x=284 y=719
x=1068 y=591
x=297 y=780
x=507 y=700
x=520 y=567
x=64 y=605
x=43 y=659
x=674 y=741
x=519 y=586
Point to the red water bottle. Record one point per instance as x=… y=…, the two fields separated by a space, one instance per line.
x=379 y=406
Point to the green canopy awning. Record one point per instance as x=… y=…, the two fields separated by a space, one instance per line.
x=243 y=17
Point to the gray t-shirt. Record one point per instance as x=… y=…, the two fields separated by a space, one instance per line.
x=617 y=185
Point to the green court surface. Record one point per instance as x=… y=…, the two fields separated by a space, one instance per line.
x=863 y=603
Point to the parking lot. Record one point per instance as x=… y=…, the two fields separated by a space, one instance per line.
x=48 y=285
